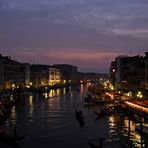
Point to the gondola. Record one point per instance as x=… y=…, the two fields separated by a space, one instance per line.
x=79 y=115
x=10 y=139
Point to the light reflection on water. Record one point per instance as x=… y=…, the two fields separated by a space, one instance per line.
x=49 y=122
x=13 y=115
x=124 y=129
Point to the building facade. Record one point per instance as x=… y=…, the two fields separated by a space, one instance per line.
x=39 y=75
x=10 y=73
x=69 y=72
x=130 y=74
x=54 y=76
x=44 y=75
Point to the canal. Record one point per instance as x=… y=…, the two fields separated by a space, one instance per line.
x=48 y=121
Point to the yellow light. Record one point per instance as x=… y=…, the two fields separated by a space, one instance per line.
x=139 y=94
x=31 y=101
x=28 y=86
x=30 y=83
x=138 y=107
x=13 y=85
x=112 y=87
x=46 y=95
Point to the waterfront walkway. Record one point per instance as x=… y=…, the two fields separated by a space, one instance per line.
x=137 y=106
x=143 y=103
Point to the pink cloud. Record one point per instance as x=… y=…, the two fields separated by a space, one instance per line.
x=85 y=59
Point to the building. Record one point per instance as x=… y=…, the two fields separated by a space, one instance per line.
x=69 y=72
x=39 y=75
x=25 y=70
x=44 y=75
x=89 y=77
x=10 y=74
x=112 y=72
x=54 y=76
x=130 y=74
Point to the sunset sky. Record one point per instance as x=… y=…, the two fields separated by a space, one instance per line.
x=85 y=33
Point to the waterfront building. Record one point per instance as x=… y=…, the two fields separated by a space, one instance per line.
x=25 y=70
x=89 y=77
x=44 y=75
x=130 y=74
x=10 y=74
x=54 y=76
x=119 y=72
x=112 y=72
x=39 y=74
x=1 y=74
x=69 y=72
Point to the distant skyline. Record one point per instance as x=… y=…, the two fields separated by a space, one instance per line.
x=88 y=34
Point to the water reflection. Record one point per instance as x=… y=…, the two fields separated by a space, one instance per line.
x=81 y=90
x=122 y=129
x=64 y=90
x=46 y=95
x=31 y=108
x=129 y=130
x=13 y=115
x=49 y=121
x=58 y=92
x=51 y=93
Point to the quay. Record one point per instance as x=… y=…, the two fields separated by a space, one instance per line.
x=138 y=107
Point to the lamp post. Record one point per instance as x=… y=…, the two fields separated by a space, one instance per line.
x=139 y=95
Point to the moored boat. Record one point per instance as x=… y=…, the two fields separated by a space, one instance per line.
x=143 y=128
x=79 y=115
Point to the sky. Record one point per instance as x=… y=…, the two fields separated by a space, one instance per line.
x=85 y=33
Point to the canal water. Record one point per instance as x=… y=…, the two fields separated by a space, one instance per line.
x=48 y=121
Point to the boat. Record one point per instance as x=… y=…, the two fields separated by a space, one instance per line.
x=93 y=101
x=89 y=103
x=142 y=128
x=5 y=111
x=9 y=139
x=99 y=101
x=6 y=138
x=80 y=118
x=93 y=145
x=101 y=113
x=79 y=115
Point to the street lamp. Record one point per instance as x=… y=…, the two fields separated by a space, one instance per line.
x=139 y=95
x=13 y=86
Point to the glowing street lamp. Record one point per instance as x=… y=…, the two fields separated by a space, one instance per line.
x=30 y=83
x=113 y=70
x=13 y=86
x=139 y=95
